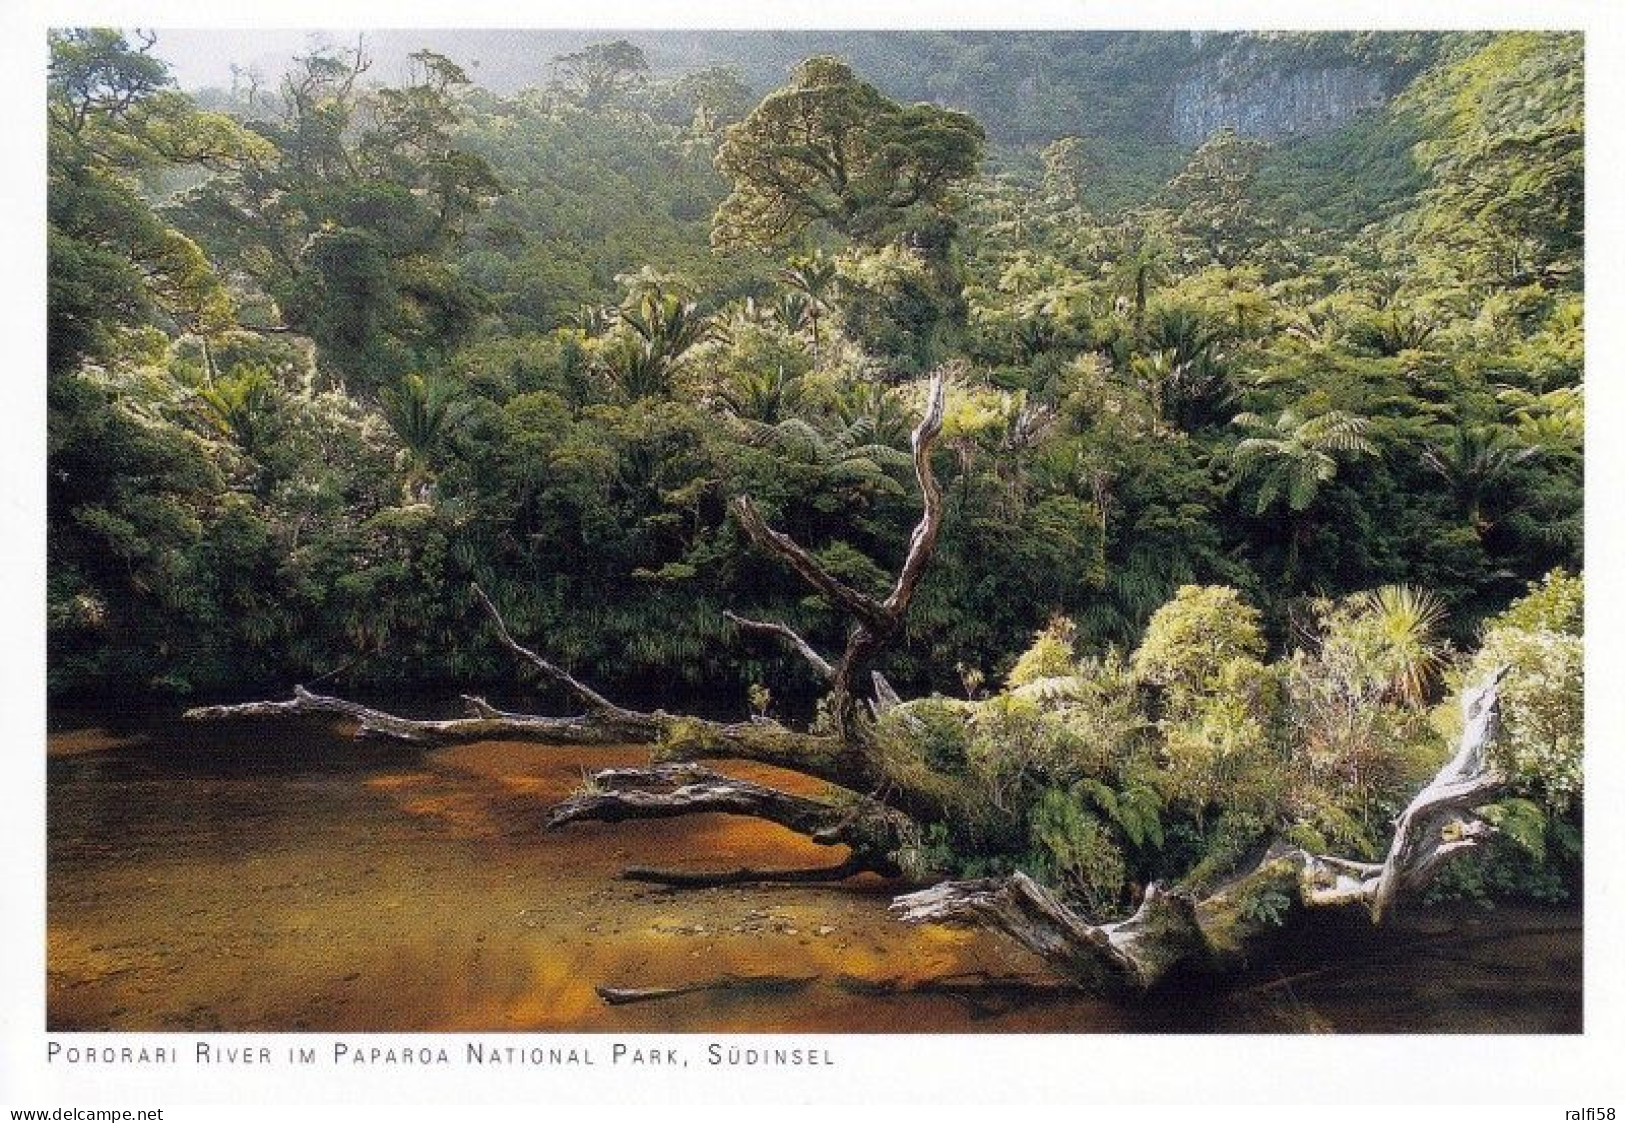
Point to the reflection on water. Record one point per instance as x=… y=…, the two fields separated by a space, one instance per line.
x=286 y=878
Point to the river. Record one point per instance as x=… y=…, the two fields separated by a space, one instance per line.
x=288 y=878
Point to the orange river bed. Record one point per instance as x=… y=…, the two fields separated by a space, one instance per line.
x=284 y=878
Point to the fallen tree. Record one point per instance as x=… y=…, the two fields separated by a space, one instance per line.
x=877 y=812
x=871 y=831
x=872 y=814
x=1174 y=932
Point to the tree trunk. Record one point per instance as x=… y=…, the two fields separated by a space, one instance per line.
x=872 y=832
x=1175 y=932
x=483 y=723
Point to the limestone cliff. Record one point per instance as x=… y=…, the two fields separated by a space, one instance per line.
x=1236 y=89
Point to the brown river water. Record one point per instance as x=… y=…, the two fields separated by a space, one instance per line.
x=288 y=878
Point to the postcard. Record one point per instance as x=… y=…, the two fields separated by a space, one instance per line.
x=995 y=557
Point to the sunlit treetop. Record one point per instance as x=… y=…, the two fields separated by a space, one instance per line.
x=115 y=103
x=830 y=148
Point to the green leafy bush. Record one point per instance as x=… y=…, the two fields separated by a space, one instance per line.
x=1076 y=848
x=1542 y=708
x=1191 y=639
x=1050 y=656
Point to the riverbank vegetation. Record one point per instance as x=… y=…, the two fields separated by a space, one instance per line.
x=1251 y=455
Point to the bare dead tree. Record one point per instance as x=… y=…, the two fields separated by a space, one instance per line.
x=871 y=813
x=875 y=813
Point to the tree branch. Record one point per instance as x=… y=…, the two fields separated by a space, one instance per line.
x=864 y=607
x=876 y=621
x=826 y=756
x=589 y=696
x=924 y=539
x=886 y=698
x=882 y=617
x=789 y=636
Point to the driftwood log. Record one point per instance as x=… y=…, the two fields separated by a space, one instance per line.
x=1174 y=932
x=872 y=832
x=870 y=814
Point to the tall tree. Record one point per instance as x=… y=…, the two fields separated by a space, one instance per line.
x=601 y=74
x=113 y=117
x=713 y=97
x=1144 y=264
x=346 y=222
x=814 y=278
x=830 y=148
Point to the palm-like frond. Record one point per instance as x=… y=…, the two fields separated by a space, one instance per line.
x=1475 y=461
x=421 y=412
x=1056 y=688
x=1335 y=431
x=1304 y=477
x=1408 y=619
x=877 y=406
x=1293 y=456
x=761 y=395
x=663 y=329
x=847 y=457
x=1477 y=454
x=814 y=277
x=241 y=406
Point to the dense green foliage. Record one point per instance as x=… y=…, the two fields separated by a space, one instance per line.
x=1281 y=422
x=1100 y=774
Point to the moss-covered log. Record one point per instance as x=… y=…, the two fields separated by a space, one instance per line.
x=1176 y=932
